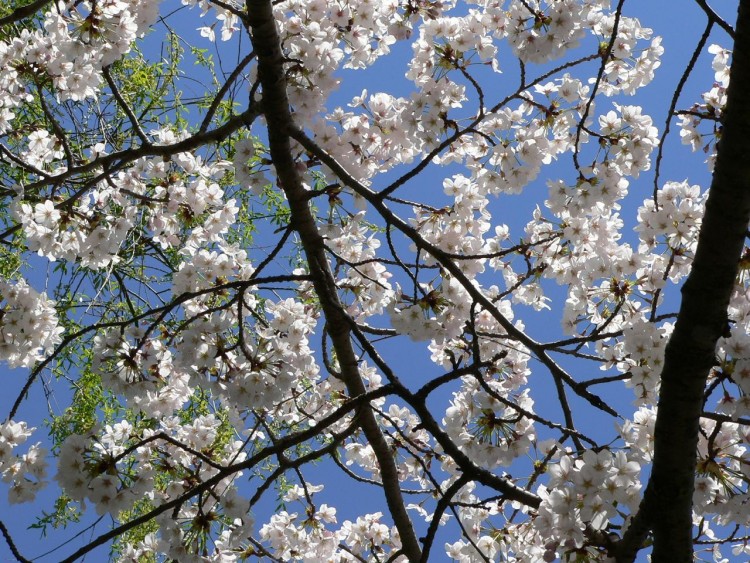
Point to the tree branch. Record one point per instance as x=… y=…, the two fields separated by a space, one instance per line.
x=702 y=320
x=715 y=18
x=450 y=266
x=24 y=12
x=267 y=46
x=11 y=544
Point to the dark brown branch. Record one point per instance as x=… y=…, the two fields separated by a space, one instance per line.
x=724 y=418
x=442 y=505
x=702 y=320
x=450 y=266
x=56 y=128
x=716 y=18
x=125 y=107
x=24 y=12
x=267 y=46
x=673 y=104
x=599 y=77
x=11 y=544
x=223 y=90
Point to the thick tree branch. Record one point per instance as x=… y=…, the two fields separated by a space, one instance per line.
x=702 y=320
x=267 y=46
x=24 y=12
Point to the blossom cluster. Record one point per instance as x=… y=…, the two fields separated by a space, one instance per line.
x=90 y=233
x=709 y=110
x=71 y=50
x=585 y=492
x=310 y=540
x=116 y=466
x=29 y=327
x=220 y=351
x=24 y=473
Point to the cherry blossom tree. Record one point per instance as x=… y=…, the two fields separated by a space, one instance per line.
x=241 y=281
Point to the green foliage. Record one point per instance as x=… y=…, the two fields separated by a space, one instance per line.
x=138 y=533
x=11 y=260
x=151 y=87
x=152 y=90
x=89 y=400
x=65 y=512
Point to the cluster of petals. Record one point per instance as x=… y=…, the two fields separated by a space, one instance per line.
x=225 y=366
x=25 y=473
x=587 y=491
x=312 y=539
x=29 y=327
x=77 y=41
x=709 y=110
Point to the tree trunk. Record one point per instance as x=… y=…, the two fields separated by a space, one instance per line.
x=667 y=505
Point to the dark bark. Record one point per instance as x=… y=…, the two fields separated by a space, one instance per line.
x=24 y=12
x=667 y=505
x=275 y=107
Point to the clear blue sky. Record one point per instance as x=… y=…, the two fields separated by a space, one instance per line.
x=680 y=24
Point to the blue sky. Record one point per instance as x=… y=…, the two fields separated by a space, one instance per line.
x=679 y=23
